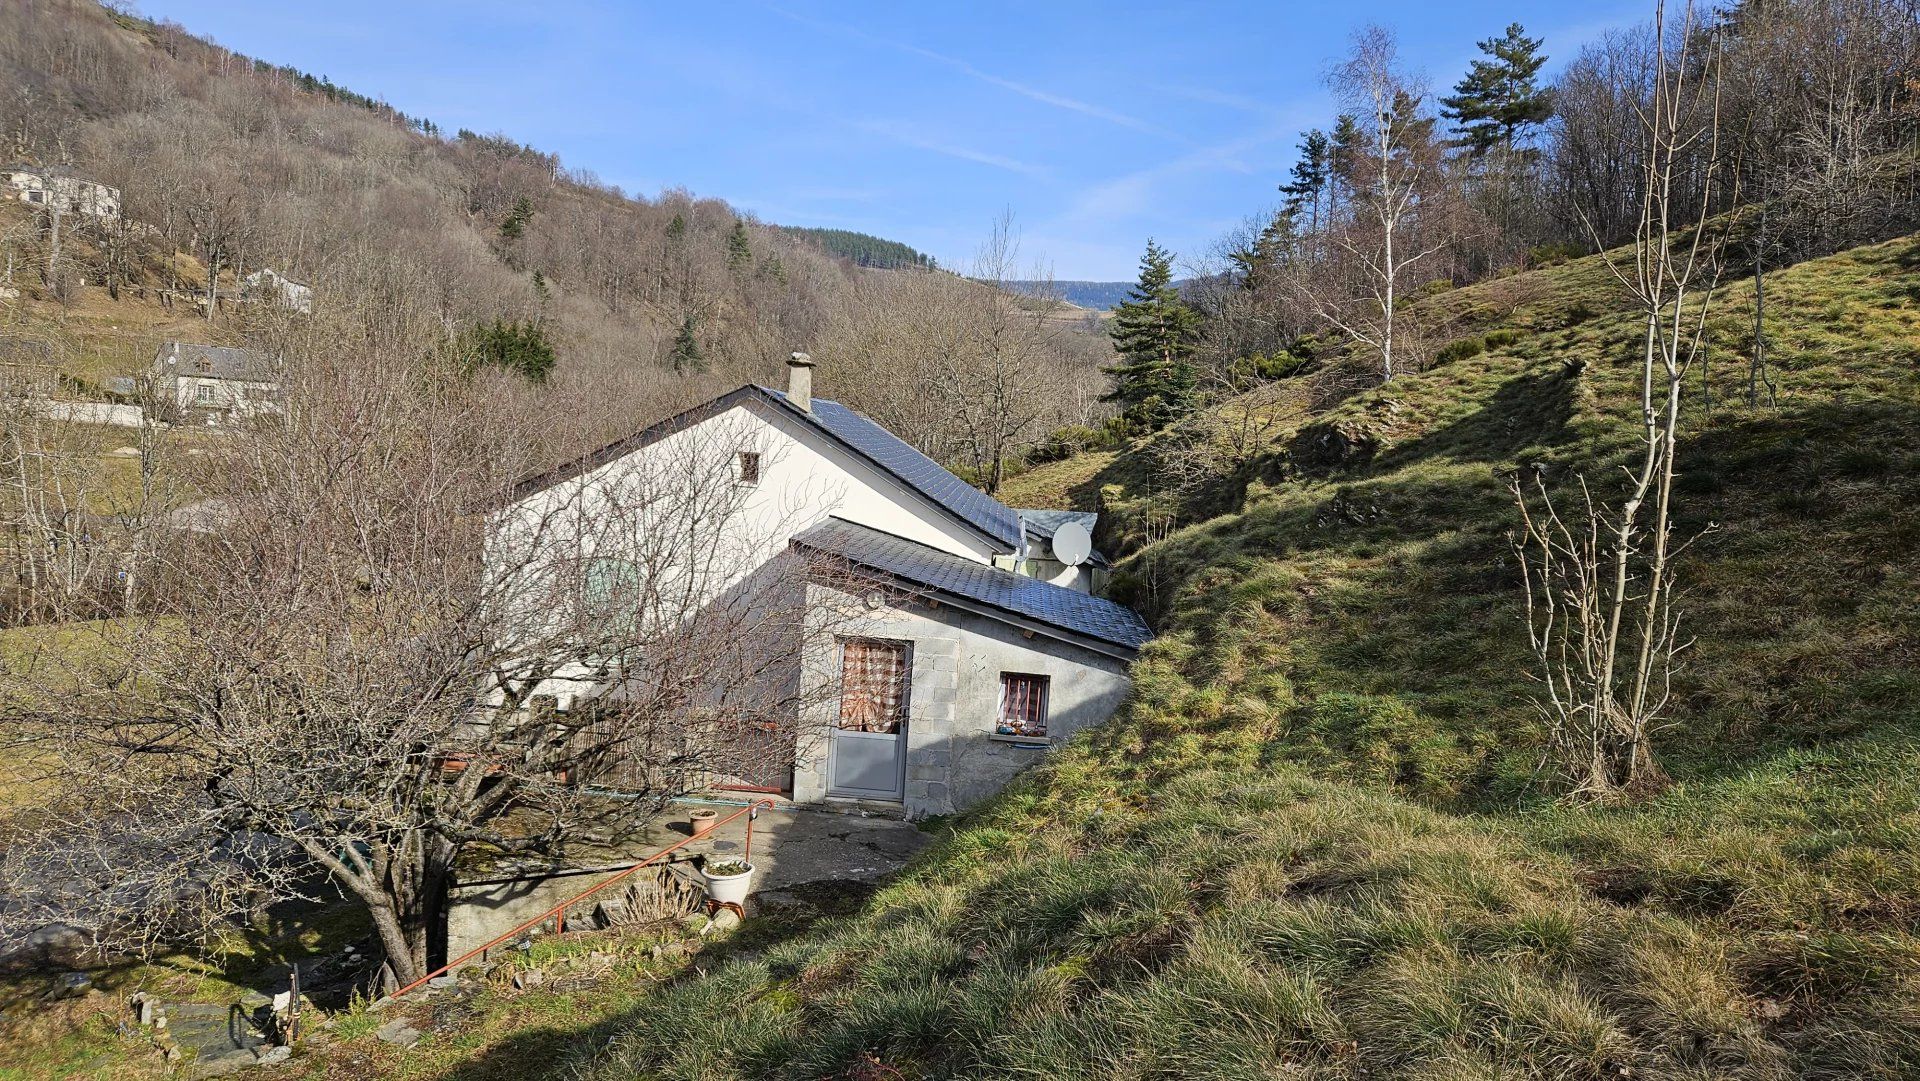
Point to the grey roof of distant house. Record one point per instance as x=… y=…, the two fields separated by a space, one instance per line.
x=919 y=472
x=956 y=576
x=846 y=427
x=223 y=362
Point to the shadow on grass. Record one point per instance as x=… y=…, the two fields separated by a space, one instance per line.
x=547 y=1051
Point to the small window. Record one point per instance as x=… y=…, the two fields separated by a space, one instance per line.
x=1023 y=705
x=749 y=467
x=36 y=197
x=203 y=364
x=203 y=394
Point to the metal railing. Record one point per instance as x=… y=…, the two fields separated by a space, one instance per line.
x=558 y=912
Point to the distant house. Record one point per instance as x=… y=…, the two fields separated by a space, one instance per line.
x=69 y=194
x=269 y=284
x=215 y=383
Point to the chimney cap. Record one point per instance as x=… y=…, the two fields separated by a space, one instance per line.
x=799 y=360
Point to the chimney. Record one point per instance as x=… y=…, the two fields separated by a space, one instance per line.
x=800 y=381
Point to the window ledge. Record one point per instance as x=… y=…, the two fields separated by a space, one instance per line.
x=1032 y=741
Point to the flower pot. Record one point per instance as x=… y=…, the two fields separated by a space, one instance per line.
x=702 y=820
x=728 y=889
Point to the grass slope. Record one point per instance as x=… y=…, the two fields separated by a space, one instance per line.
x=1313 y=845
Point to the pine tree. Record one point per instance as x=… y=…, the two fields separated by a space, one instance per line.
x=1500 y=97
x=1258 y=264
x=1311 y=171
x=514 y=225
x=1344 y=152
x=515 y=346
x=686 y=354
x=1154 y=331
x=739 y=250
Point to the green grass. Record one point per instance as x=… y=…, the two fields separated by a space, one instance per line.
x=1315 y=843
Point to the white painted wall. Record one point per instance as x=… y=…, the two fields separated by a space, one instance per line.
x=805 y=477
x=232 y=395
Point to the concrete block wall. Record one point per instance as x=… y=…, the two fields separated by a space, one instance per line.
x=954 y=757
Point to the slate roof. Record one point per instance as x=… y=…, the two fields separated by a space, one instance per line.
x=919 y=472
x=846 y=427
x=1042 y=524
x=957 y=576
x=222 y=362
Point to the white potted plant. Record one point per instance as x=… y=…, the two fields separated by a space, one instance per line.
x=727 y=880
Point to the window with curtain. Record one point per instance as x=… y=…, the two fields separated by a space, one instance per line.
x=1023 y=705
x=873 y=685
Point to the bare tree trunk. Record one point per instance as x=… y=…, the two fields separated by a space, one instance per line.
x=1600 y=611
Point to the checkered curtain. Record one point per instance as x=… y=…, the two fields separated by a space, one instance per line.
x=1023 y=705
x=873 y=686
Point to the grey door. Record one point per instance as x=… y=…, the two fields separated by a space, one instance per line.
x=867 y=758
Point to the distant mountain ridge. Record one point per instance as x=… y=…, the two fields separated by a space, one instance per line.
x=864 y=249
x=1100 y=296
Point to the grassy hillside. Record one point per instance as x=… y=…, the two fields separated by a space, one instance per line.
x=1314 y=844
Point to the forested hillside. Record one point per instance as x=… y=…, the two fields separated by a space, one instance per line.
x=230 y=164
x=863 y=249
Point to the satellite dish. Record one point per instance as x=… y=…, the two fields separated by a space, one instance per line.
x=1072 y=544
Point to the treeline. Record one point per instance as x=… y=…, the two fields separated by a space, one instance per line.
x=1804 y=133
x=652 y=302
x=863 y=249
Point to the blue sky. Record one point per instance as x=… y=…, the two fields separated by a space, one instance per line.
x=1097 y=125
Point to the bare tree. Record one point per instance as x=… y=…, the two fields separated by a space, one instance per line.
x=386 y=657
x=997 y=383
x=1599 y=580
x=1393 y=173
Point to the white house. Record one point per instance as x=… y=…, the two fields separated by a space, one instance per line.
x=215 y=383
x=271 y=285
x=69 y=194
x=982 y=640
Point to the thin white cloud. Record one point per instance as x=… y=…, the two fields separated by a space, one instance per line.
x=1032 y=93
x=906 y=136
x=1133 y=193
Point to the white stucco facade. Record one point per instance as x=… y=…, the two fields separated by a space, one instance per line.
x=779 y=474
x=68 y=194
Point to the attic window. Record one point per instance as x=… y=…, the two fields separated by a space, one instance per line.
x=749 y=467
x=203 y=364
x=1023 y=705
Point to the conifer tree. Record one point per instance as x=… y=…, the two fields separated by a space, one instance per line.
x=1500 y=97
x=686 y=354
x=1256 y=265
x=514 y=225
x=1309 y=178
x=1154 y=330
x=517 y=346
x=739 y=249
